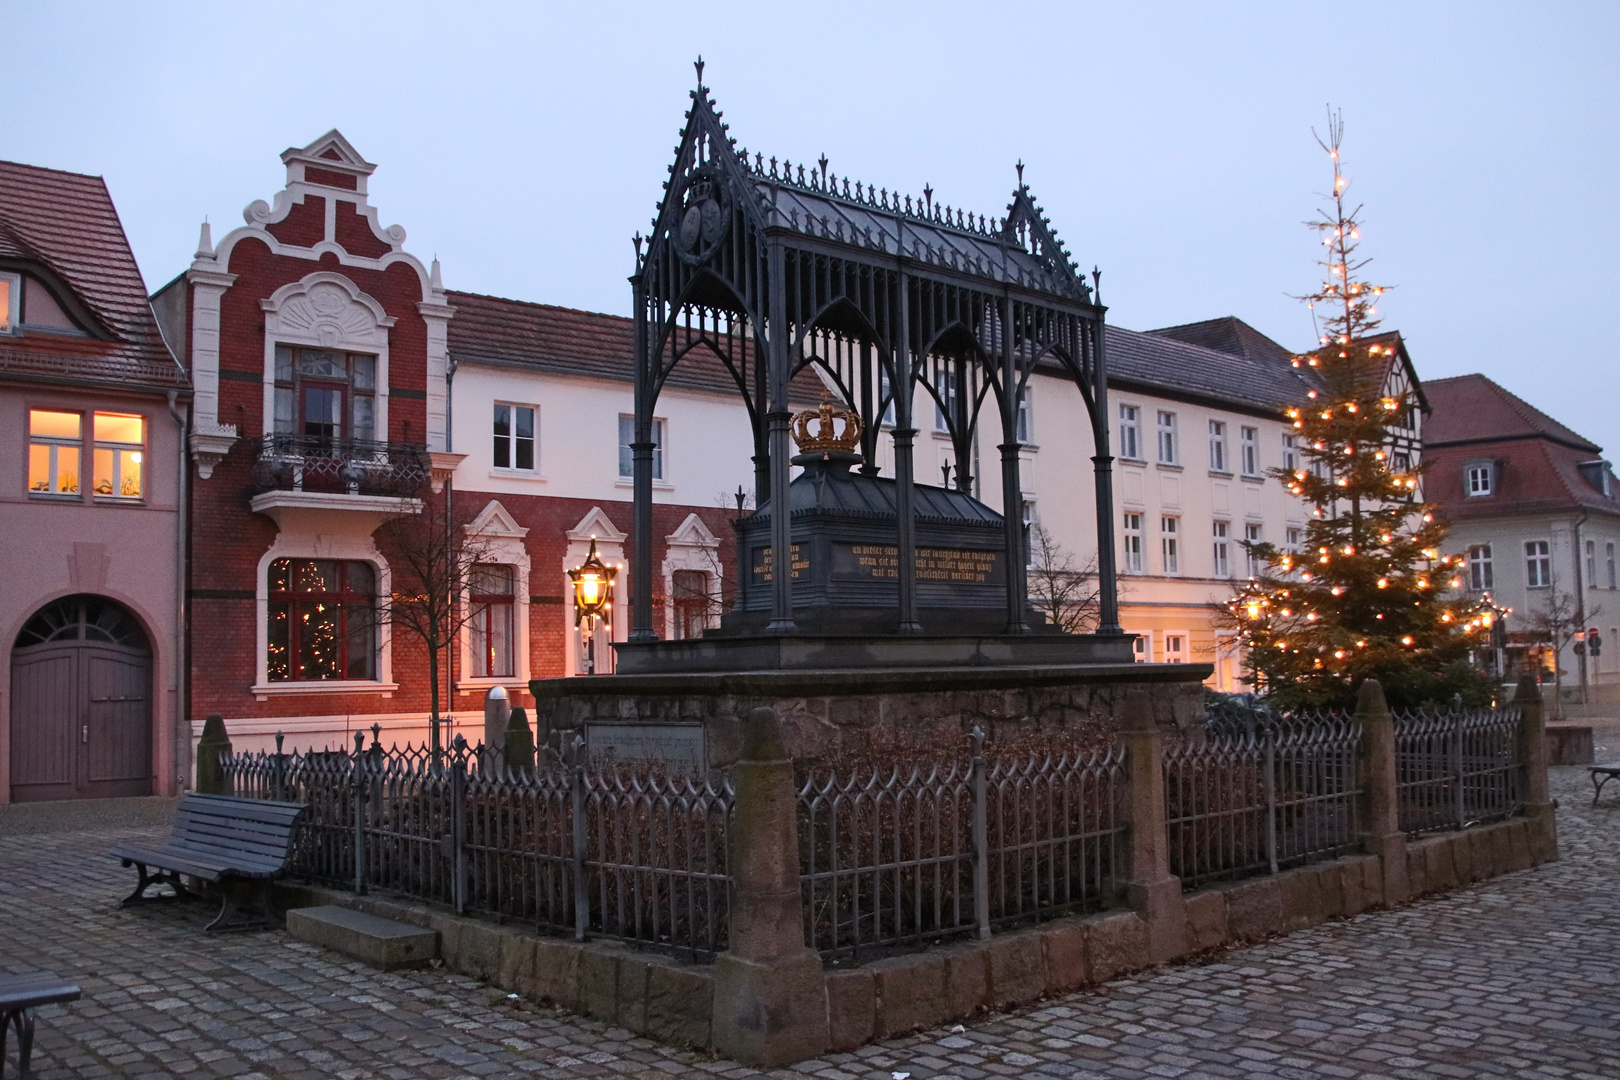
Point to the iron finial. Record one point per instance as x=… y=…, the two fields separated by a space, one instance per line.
x=699 y=65
x=823 y=163
x=1020 y=168
x=636 y=240
x=928 y=194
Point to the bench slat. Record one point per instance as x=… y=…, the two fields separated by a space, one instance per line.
x=244 y=838
x=35 y=988
x=218 y=835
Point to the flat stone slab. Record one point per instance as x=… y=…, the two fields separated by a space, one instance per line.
x=382 y=943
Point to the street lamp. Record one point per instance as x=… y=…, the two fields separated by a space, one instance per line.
x=593 y=591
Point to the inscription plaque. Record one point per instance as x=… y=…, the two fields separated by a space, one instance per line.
x=880 y=562
x=678 y=746
x=763 y=563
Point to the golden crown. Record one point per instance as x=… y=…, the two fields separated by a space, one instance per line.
x=827 y=437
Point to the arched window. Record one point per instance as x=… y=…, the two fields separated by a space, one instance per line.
x=82 y=618
x=323 y=620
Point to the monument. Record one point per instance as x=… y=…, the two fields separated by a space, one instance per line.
x=903 y=604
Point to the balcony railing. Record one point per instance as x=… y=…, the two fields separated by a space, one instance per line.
x=347 y=466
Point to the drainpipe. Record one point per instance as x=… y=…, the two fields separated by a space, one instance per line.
x=182 y=687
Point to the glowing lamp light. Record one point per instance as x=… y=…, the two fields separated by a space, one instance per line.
x=1406 y=641
x=592 y=581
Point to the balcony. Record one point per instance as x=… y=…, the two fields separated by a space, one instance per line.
x=340 y=466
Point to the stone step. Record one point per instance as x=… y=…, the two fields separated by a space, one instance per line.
x=382 y=943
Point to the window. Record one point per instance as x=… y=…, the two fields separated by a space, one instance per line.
x=323 y=621
x=945 y=401
x=10 y=303
x=490 y=630
x=1175 y=648
x=1222 y=552
x=1479 y=478
x=1030 y=521
x=1217 y=446
x=1142 y=648
x=1022 y=424
x=1294 y=538
x=117 y=464
x=1133 y=543
x=1609 y=553
x=1480 y=577
x=55 y=441
x=1537 y=564
x=1251 y=537
x=1251 y=450
x=1400 y=462
x=1591 y=564
x=1168 y=528
x=1167 y=438
x=1130 y=432
x=1290 y=453
x=692 y=602
x=325 y=396
x=514 y=437
x=627 y=458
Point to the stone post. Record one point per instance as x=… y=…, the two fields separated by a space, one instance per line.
x=214 y=742
x=770 y=996
x=1380 y=797
x=1532 y=754
x=1151 y=890
x=519 y=741
x=497 y=711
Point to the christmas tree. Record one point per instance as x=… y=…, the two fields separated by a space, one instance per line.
x=1369 y=593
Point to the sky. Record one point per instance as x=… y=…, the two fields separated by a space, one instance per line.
x=1170 y=144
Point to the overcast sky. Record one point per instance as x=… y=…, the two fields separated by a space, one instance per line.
x=1169 y=143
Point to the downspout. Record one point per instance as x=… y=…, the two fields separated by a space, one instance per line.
x=182 y=686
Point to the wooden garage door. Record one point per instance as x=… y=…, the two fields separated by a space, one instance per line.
x=81 y=710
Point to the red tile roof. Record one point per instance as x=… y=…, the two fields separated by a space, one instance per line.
x=1469 y=408
x=66 y=223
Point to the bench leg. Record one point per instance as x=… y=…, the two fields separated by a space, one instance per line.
x=23 y=1021
x=148 y=879
x=259 y=914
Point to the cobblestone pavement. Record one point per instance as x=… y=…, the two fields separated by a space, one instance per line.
x=1515 y=977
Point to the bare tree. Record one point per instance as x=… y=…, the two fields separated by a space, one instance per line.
x=1557 y=622
x=433 y=557
x=1066 y=594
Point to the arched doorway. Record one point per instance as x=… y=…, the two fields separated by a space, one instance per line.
x=81 y=703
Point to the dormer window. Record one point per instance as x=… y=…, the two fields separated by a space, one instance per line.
x=10 y=303
x=1479 y=479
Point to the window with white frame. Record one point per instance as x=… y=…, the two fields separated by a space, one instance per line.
x=117 y=464
x=325 y=395
x=1290 y=452
x=1217 y=447
x=1130 y=432
x=1167 y=438
x=1252 y=535
x=1294 y=538
x=1480 y=575
x=1175 y=647
x=515 y=437
x=10 y=303
x=1023 y=424
x=323 y=620
x=491 y=629
x=945 y=402
x=1222 y=552
x=1537 y=564
x=627 y=457
x=55 y=441
x=1170 y=543
x=1591 y=564
x=1480 y=477
x=1133 y=543
x=1030 y=521
x=1250 y=438
x=1609 y=554
x=1142 y=648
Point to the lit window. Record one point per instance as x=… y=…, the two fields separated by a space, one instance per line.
x=1133 y=543
x=1290 y=453
x=1251 y=537
x=1479 y=479
x=1480 y=576
x=1167 y=438
x=490 y=629
x=120 y=440
x=627 y=457
x=55 y=441
x=1251 y=451
x=1217 y=446
x=1223 y=553
x=1130 y=432
x=325 y=396
x=1168 y=529
x=514 y=437
x=1537 y=564
x=10 y=303
x=323 y=620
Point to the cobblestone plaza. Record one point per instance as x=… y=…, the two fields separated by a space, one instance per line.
x=1518 y=976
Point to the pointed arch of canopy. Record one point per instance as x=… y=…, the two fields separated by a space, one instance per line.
x=772 y=267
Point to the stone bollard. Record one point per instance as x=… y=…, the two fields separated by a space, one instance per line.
x=519 y=742
x=1380 y=795
x=770 y=996
x=1151 y=890
x=497 y=714
x=214 y=742
x=1532 y=754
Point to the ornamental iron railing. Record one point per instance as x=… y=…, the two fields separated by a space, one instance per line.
x=348 y=466
x=1455 y=769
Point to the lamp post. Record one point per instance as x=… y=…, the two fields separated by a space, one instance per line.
x=593 y=590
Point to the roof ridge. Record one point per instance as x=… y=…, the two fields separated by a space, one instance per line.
x=536 y=304
x=59 y=172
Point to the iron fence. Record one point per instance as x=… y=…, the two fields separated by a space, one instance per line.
x=1255 y=794
x=625 y=851
x=897 y=854
x=1455 y=769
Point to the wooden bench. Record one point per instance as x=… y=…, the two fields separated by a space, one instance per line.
x=1601 y=775
x=20 y=995
x=223 y=841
